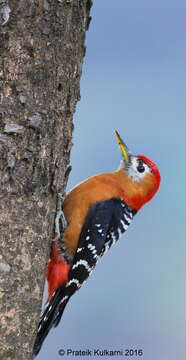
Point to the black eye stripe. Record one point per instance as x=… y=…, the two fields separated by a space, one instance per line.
x=141 y=169
x=140 y=166
x=140 y=162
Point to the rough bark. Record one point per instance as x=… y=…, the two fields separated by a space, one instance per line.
x=41 y=54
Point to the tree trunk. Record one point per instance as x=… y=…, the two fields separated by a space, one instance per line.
x=41 y=54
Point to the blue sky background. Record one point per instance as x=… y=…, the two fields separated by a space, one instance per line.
x=134 y=80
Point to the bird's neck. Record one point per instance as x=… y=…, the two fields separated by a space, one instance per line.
x=135 y=194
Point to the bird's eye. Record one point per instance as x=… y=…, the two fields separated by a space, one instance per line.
x=140 y=166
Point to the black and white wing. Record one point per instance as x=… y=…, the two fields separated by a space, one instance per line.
x=105 y=223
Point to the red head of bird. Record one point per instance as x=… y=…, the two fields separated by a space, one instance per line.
x=140 y=177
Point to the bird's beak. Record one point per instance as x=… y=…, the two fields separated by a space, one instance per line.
x=124 y=149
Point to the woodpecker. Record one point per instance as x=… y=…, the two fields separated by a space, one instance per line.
x=97 y=212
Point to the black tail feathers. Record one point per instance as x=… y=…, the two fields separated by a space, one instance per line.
x=50 y=317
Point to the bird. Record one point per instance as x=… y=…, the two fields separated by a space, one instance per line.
x=94 y=214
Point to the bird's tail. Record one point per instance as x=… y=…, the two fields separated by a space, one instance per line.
x=54 y=308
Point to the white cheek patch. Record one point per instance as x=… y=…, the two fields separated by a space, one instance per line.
x=134 y=173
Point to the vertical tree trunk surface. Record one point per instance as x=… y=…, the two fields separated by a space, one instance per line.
x=41 y=54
